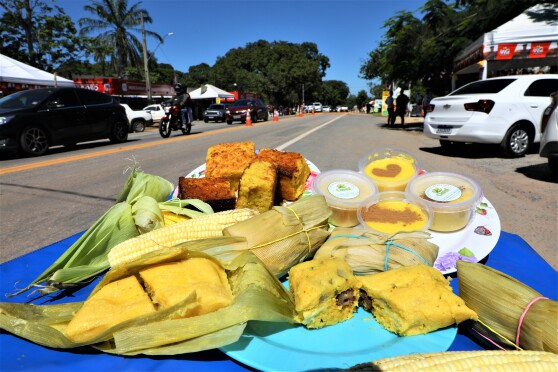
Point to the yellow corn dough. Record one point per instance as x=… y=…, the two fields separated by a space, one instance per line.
x=325 y=292
x=173 y=282
x=414 y=300
x=115 y=303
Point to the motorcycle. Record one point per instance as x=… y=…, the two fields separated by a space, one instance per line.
x=172 y=121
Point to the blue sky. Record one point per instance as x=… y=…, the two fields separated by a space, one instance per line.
x=345 y=31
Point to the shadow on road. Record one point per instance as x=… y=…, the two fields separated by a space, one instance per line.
x=539 y=172
x=57 y=191
x=62 y=149
x=410 y=127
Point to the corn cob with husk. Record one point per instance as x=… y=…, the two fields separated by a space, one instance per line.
x=500 y=300
x=365 y=251
x=209 y=226
x=467 y=361
x=170 y=218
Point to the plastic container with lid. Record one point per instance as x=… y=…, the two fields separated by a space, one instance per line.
x=452 y=197
x=389 y=168
x=344 y=191
x=392 y=211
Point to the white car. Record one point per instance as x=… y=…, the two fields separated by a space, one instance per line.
x=317 y=107
x=549 y=128
x=343 y=109
x=326 y=109
x=157 y=112
x=138 y=119
x=504 y=110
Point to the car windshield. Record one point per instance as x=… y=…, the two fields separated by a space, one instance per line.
x=25 y=98
x=483 y=86
x=243 y=102
x=216 y=107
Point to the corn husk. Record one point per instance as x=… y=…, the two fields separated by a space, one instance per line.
x=499 y=300
x=278 y=237
x=365 y=251
x=258 y=295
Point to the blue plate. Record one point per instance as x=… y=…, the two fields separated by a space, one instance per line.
x=286 y=347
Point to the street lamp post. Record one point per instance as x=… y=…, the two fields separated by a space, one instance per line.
x=146 y=59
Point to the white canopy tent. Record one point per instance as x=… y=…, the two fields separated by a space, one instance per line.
x=209 y=91
x=518 y=43
x=12 y=71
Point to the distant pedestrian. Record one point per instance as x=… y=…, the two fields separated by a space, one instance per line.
x=400 y=108
x=426 y=101
x=389 y=104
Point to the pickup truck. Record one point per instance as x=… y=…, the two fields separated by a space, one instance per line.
x=157 y=111
x=138 y=119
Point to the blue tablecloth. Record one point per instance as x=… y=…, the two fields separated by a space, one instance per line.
x=512 y=255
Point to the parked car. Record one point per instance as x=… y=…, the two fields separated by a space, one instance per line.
x=157 y=112
x=326 y=109
x=216 y=112
x=33 y=120
x=237 y=111
x=503 y=110
x=549 y=129
x=317 y=107
x=343 y=109
x=138 y=119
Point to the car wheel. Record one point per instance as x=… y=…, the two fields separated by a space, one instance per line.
x=229 y=122
x=517 y=141
x=138 y=125
x=205 y=120
x=33 y=141
x=119 y=132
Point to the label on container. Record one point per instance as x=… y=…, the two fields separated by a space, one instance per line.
x=343 y=190
x=442 y=192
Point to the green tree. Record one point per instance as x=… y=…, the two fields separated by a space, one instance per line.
x=361 y=99
x=376 y=90
x=38 y=33
x=197 y=75
x=333 y=92
x=118 y=24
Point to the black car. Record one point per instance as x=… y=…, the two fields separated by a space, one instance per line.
x=238 y=110
x=33 y=120
x=216 y=112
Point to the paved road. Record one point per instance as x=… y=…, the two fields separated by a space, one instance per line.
x=46 y=199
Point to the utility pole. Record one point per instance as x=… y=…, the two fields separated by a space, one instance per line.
x=145 y=67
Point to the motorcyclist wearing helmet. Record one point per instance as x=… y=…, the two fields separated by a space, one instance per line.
x=185 y=103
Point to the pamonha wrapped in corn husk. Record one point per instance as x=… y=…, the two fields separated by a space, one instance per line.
x=283 y=236
x=500 y=300
x=256 y=295
x=366 y=251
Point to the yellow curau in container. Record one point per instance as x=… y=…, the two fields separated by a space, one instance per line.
x=390 y=169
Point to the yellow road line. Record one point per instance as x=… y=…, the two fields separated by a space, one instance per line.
x=70 y=159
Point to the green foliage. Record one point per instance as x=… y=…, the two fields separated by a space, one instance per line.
x=39 y=34
x=116 y=26
x=332 y=92
x=376 y=90
x=361 y=99
x=420 y=52
x=197 y=75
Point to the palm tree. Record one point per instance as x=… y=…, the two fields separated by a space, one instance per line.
x=116 y=22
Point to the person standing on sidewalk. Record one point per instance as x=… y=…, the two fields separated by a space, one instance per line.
x=389 y=104
x=400 y=108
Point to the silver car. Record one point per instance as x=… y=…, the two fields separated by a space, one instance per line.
x=549 y=129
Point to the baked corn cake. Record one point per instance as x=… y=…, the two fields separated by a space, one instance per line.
x=215 y=191
x=172 y=282
x=257 y=186
x=229 y=160
x=325 y=292
x=293 y=171
x=413 y=300
x=115 y=303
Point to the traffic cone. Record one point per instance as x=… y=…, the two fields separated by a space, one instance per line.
x=248 y=119
x=300 y=112
x=275 y=116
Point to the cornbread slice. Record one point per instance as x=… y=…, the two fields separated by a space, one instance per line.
x=293 y=171
x=325 y=292
x=413 y=300
x=172 y=282
x=257 y=186
x=115 y=303
x=215 y=191
x=229 y=160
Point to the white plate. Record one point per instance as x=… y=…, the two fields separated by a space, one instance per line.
x=470 y=236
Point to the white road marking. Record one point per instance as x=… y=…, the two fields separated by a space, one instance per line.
x=296 y=139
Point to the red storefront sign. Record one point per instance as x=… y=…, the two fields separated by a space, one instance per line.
x=539 y=50
x=505 y=51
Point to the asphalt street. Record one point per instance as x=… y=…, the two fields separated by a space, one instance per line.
x=46 y=199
